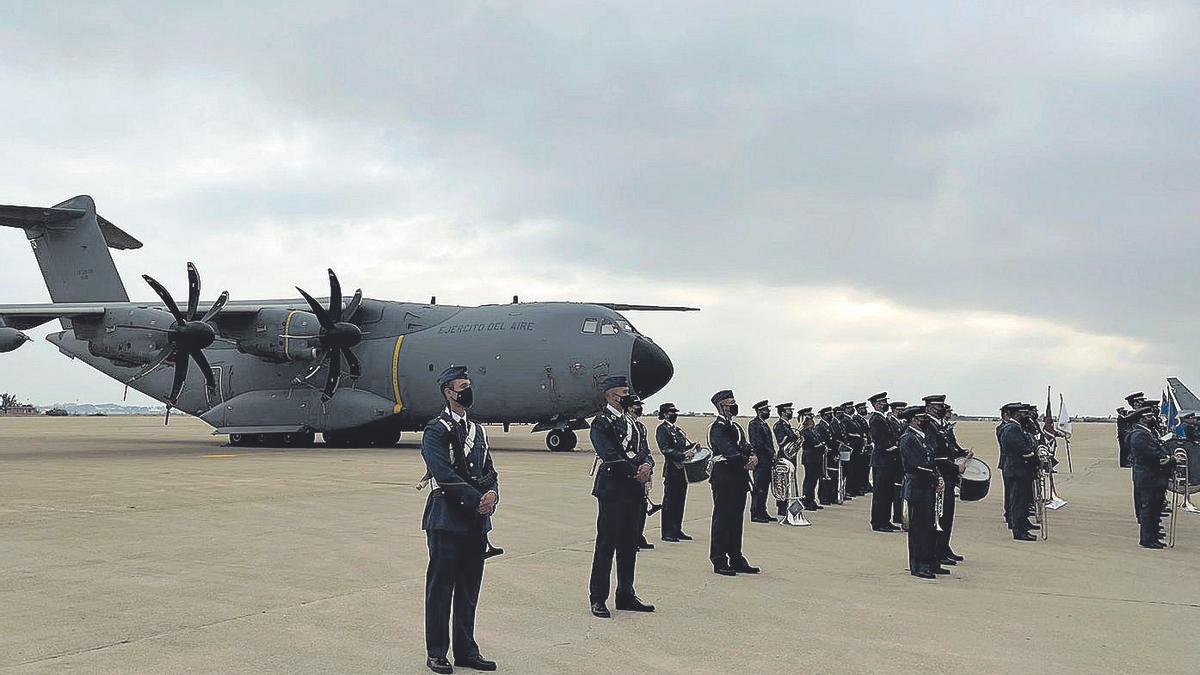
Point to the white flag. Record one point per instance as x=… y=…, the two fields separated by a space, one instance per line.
x=1063 y=423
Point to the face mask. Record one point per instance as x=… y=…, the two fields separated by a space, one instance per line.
x=787 y=416
x=733 y=409
x=671 y=417
x=627 y=401
x=764 y=414
x=466 y=397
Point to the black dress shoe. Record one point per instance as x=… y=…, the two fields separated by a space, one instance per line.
x=672 y=539
x=948 y=561
x=1157 y=544
x=954 y=556
x=923 y=575
x=725 y=570
x=1023 y=536
x=684 y=537
x=884 y=528
x=761 y=519
x=746 y=568
x=439 y=664
x=645 y=545
x=599 y=610
x=940 y=570
x=633 y=604
x=476 y=662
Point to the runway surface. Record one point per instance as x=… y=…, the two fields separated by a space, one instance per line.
x=126 y=546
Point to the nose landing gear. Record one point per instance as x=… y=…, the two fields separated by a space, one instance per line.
x=561 y=440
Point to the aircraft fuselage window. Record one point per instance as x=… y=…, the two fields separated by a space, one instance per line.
x=589 y=325
x=608 y=328
x=625 y=326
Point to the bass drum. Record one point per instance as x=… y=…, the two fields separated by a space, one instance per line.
x=699 y=467
x=976 y=480
x=1192 y=449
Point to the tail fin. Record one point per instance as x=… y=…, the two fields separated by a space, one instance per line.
x=71 y=244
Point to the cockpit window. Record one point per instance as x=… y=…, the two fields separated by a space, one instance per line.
x=625 y=326
x=589 y=325
x=608 y=328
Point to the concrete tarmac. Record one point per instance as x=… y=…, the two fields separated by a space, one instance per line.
x=129 y=547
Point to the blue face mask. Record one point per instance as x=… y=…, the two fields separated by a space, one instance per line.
x=466 y=397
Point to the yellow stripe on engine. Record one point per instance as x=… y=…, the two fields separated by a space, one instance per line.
x=395 y=379
x=287 y=330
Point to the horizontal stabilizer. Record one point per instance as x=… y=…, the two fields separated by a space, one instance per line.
x=620 y=307
x=43 y=218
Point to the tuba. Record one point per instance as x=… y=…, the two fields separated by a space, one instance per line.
x=784 y=489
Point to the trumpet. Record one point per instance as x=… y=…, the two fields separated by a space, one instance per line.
x=939 y=504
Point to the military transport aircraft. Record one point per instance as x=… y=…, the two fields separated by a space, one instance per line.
x=359 y=371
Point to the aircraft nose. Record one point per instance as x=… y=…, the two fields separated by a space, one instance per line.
x=650 y=369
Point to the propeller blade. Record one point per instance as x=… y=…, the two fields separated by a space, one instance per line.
x=335 y=297
x=202 y=361
x=166 y=298
x=159 y=362
x=353 y=362
x=353 y=306
x=322 y=315
x=335 y=374
x=216 y=307
x=193 y=291
x=181 y=368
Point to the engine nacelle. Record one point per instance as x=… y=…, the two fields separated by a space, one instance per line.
x=128 y=337
x=11 y=338
x=267 y=337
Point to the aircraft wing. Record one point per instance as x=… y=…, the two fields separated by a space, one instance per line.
x=23 y=317
x=620 y=307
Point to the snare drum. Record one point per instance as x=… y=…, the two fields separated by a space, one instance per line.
x=699 y=467
x=844 y=455
x=976 y=480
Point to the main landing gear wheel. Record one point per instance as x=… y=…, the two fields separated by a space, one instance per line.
x=561 y=440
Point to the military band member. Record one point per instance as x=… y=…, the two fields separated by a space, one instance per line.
x=830 y=436
x=643 y=445
x=733 y=460
x=856 y=438
x=763 y=444
x=898 y=427
x=620 y=491
x=863 y=462
x=1018 y=457
x=456 y=522
x=885 y=463
x=920 y=487
x=786 y=434
x=952 y=472
x=841 y=441
x=1006 y=417
x=944 y=456
x=812 y=457
x=1152 y=469
x=676 y=449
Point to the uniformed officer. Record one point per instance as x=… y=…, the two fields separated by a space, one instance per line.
x=862 y=463
x=786 y=434
x=676 y=449
x=856 y=438
x=885 y=463
x=898 y=427
x=1018 y=456
x=1006 y=417
x=830 y=439
x=946 y=452
x=763 y=445
x=733 y=460
x=643 y=446
x=952 y=471
x=920 y=485
x=456 y=522
x=1152 y=469
x=620 y=492
x=841 y=441
x=812 y=457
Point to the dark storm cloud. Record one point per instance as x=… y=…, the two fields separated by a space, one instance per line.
x=1031 y=161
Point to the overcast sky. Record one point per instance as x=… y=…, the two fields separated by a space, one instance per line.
x=978 y=200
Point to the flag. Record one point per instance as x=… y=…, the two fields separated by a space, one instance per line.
x=1170 y=411
x=1064 y=418
x=1048 y=418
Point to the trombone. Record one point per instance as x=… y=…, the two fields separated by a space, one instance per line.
x=1180 y=482
x=1042 y=488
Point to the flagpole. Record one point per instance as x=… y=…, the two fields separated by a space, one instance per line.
x=1067 y=437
